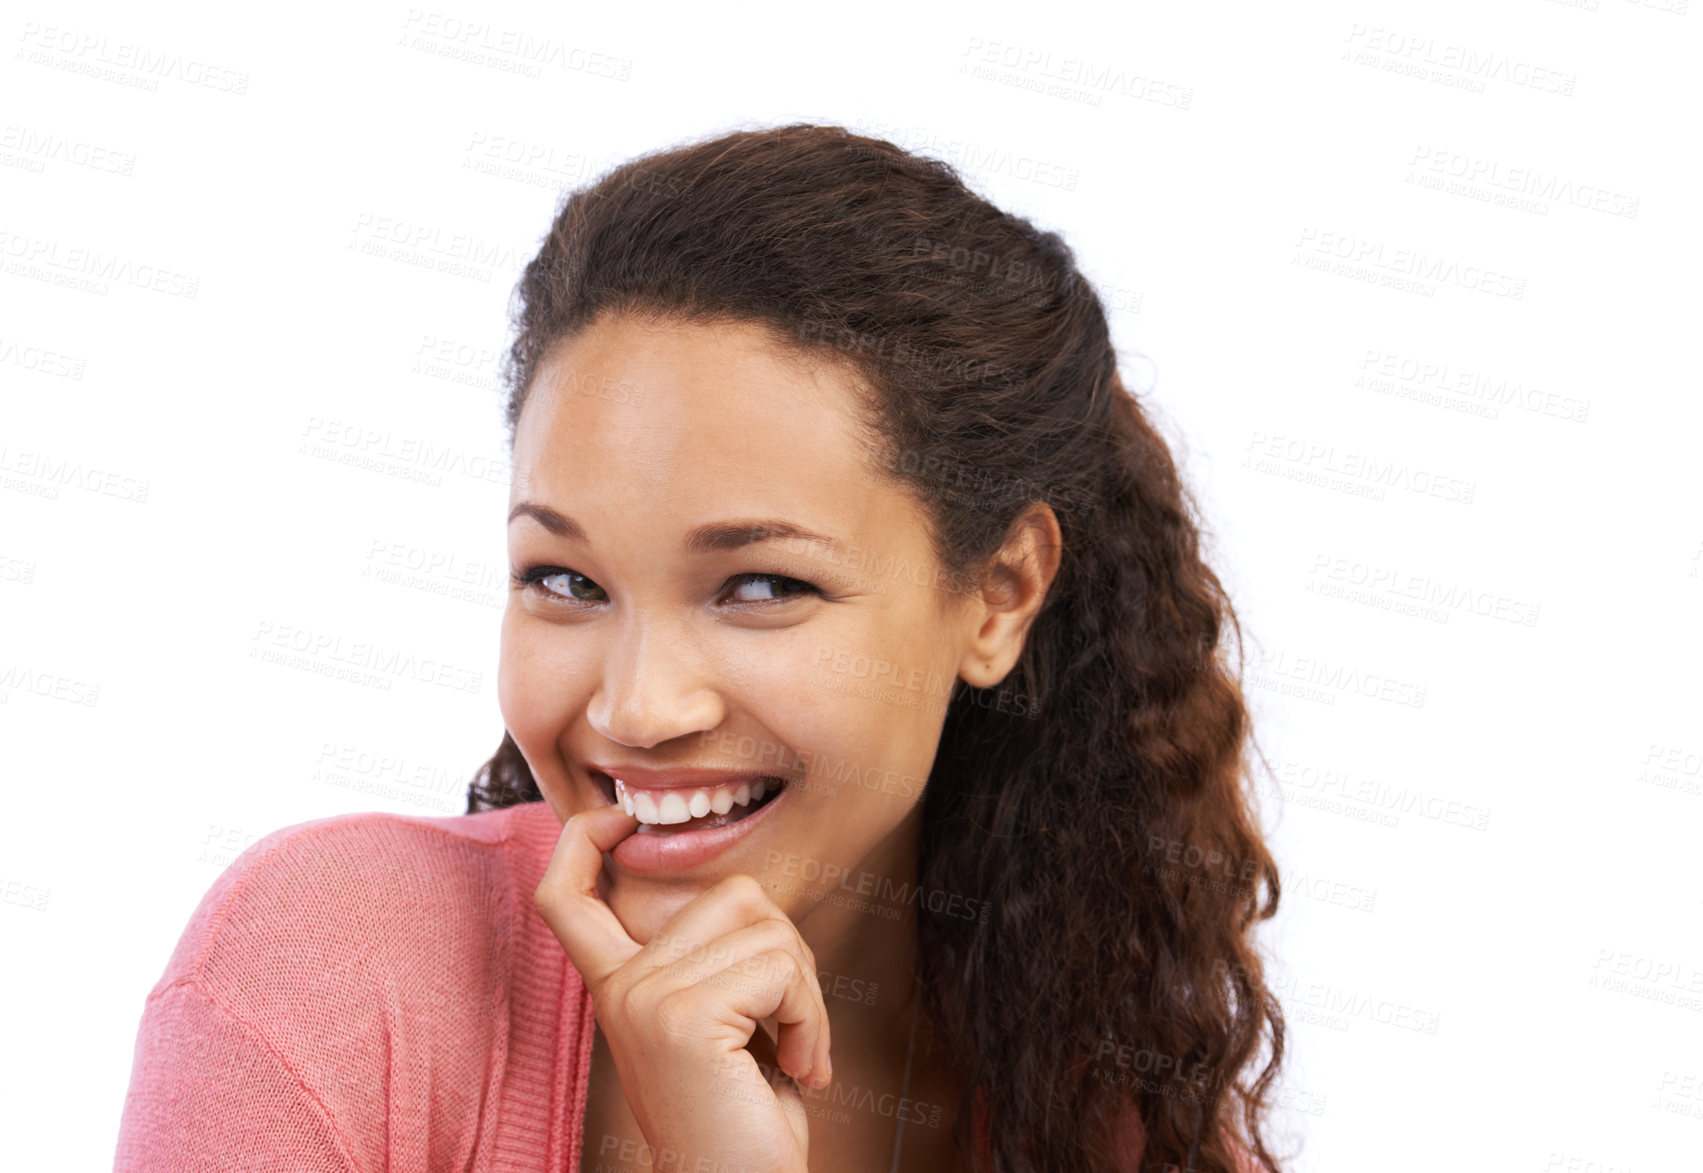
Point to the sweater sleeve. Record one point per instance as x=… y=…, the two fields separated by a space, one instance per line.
x=180 y=1115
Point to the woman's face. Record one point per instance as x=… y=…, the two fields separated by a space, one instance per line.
x=664 y=631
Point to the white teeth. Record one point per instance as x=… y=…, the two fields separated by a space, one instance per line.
x=667 y=807
x=673 y=808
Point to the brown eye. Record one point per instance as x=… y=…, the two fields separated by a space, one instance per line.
x=790 y=587
x=558 y=583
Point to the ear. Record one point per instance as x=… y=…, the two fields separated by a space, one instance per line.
x=1014 y=586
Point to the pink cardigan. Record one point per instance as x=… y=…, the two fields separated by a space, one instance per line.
x=369 y=992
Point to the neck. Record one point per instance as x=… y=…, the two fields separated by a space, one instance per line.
x=863 y=932
x=864 y=937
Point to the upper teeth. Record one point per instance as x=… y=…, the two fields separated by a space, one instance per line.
x=661 y=807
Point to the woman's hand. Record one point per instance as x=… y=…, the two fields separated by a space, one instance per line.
x=681 y=1011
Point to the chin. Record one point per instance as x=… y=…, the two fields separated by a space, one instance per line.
x=643 y=914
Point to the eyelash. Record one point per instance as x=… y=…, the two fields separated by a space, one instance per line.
x=534 y=577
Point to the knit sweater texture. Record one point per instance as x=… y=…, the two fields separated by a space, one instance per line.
x=369 y=992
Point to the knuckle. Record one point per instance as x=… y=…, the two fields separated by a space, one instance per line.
x=642 y=995
x=776 y=936
x=628 y=990
x=545 y=891
x=664 y=944
x=677 y=1015
x=745 y=890
x=783 y=964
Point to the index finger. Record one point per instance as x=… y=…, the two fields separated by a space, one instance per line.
x=567 y=899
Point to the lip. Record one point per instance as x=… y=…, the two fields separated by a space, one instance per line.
x=646 y=778
x=679 y=850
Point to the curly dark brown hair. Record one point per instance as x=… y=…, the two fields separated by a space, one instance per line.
x=1109 y=817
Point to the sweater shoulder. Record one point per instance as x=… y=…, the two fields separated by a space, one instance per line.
x=422 y=908
x=356 y=971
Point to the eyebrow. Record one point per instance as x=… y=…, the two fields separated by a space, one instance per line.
x=705 y=539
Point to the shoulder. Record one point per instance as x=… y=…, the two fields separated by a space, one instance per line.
x=422 y=906
x=342 y=989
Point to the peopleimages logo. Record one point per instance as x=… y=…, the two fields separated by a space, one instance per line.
x=40 y=474
x=1331 y=573
x=1430 y=380
x=1416 y=265
x=1497 y=180
x=89 y=269
x=509 y=49
x=32 y=150
x=125 y=62
x=884 y=889
x=1454 y=64
x=324 y=653
x=1363 y=473
x=1074 y=78
x=1336 y=678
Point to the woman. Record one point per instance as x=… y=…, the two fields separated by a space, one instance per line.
x=871 y=791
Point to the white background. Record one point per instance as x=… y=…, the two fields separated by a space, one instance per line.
x=1489 y=945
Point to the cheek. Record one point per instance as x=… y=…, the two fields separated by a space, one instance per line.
x=534 y=694
x=879 y=696
x=513 y=685
x=866 y=748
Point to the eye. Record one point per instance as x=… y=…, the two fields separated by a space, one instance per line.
x=565 y=586
x=541 y=576
x=798 y=587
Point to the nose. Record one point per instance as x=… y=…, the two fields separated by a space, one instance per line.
x=652 y=691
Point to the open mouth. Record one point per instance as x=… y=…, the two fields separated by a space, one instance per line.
x=682 y=811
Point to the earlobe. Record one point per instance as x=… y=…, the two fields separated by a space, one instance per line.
x=975 y=673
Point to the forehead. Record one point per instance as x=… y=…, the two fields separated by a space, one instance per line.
x=716 y=412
